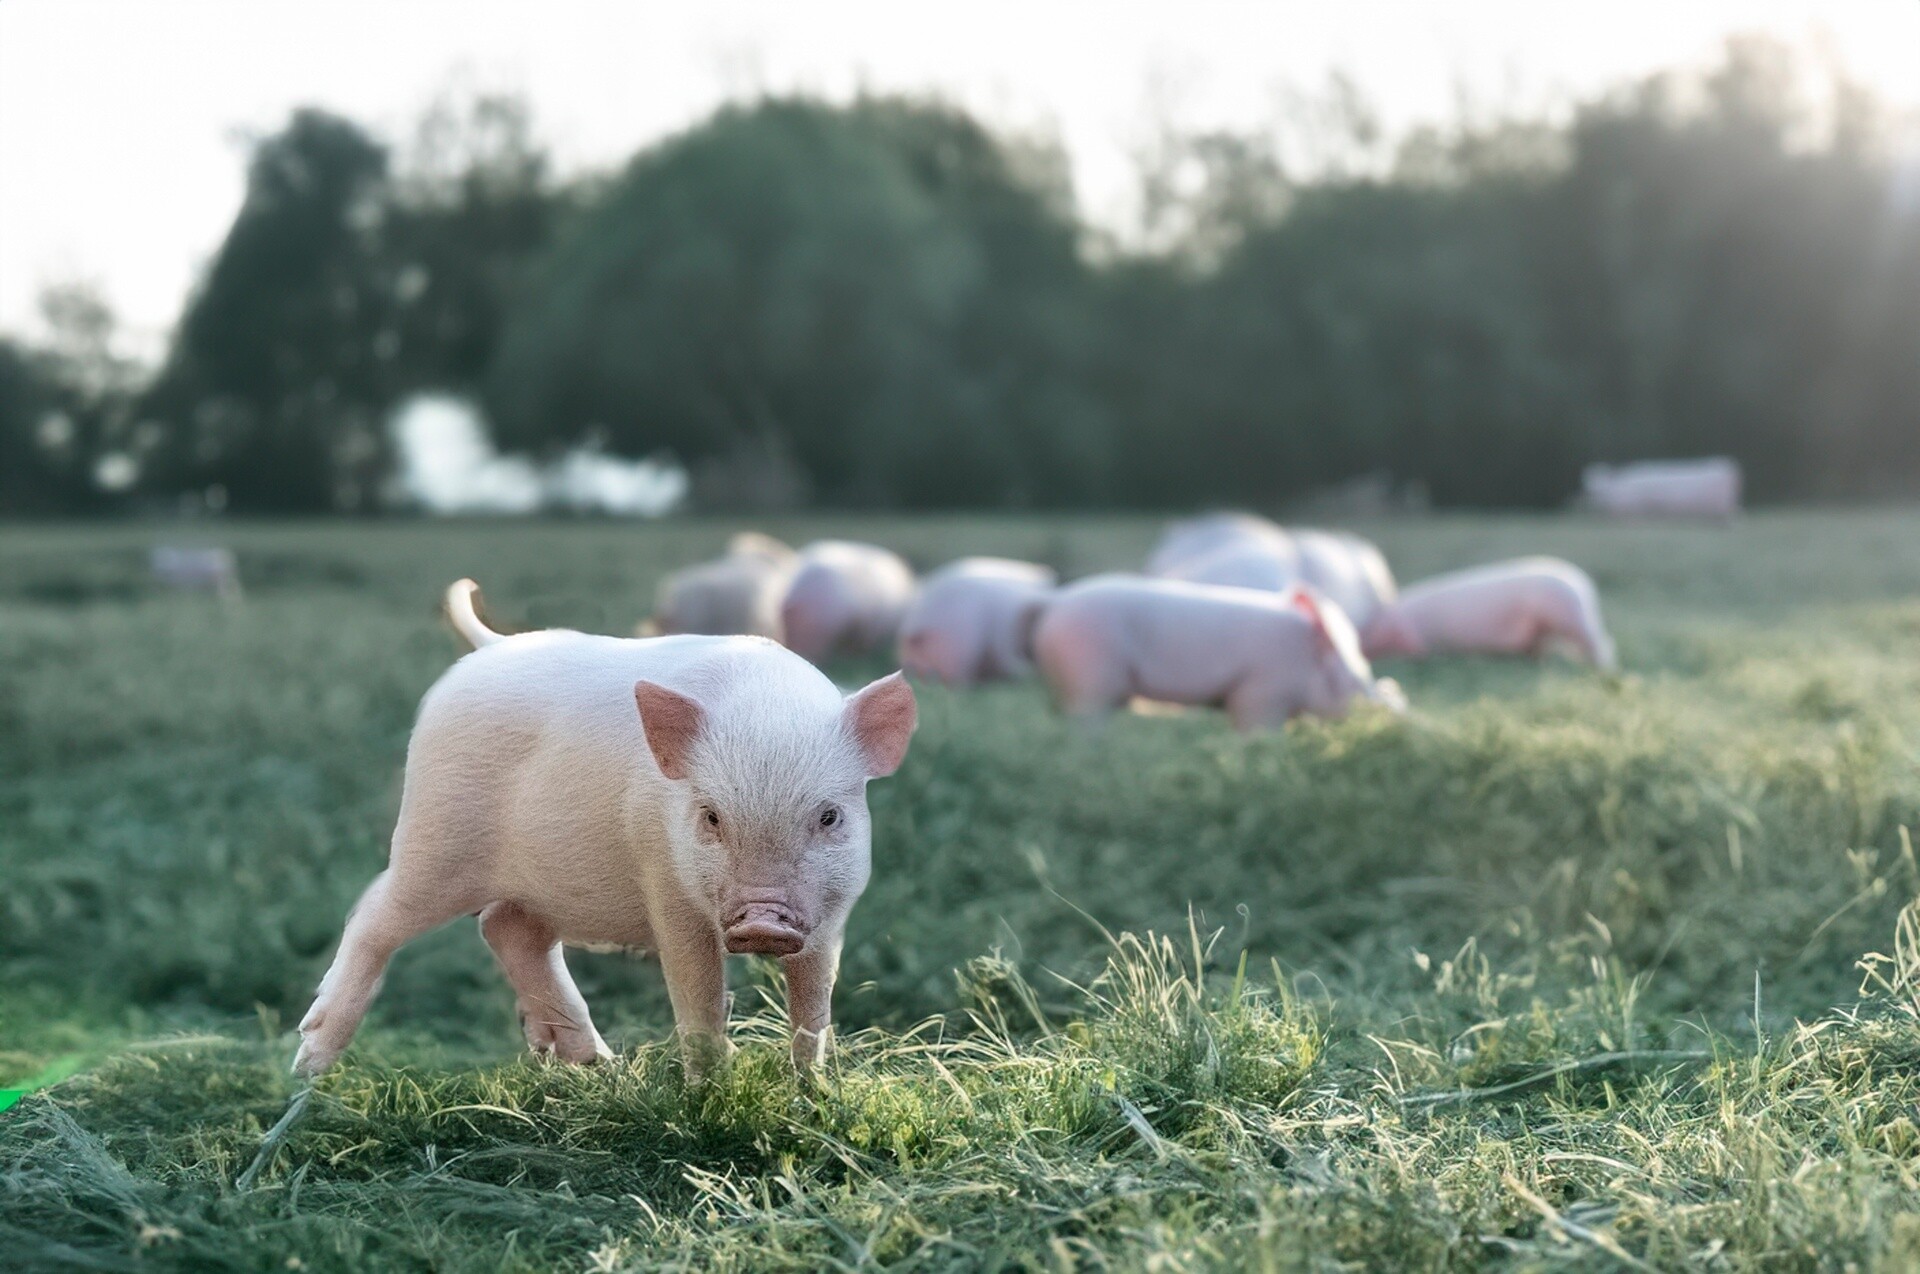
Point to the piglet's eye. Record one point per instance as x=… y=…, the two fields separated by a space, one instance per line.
x=713 y=819
x=830 y=816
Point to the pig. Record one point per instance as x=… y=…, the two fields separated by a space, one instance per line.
x=1506 y=608
x=1272 y=566
x=1706 y=488
x=845 y=598
x=1349 y=570
x=972 y=621
x=1193 y=538
x=735 y=595
x=1336 y=564
x=196 y=570
x=1268 y=657
x=689 y=796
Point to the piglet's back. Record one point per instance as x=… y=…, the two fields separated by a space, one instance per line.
x=571 y=695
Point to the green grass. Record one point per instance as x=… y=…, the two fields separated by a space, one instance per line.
x=1563 y=971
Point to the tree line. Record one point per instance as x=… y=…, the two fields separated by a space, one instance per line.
x=884 y=304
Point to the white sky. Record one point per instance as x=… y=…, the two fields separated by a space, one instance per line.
x=121 y=120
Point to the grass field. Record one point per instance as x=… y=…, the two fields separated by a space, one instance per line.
x=1563 y=970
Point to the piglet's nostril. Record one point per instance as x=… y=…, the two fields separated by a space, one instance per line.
x=760 y=909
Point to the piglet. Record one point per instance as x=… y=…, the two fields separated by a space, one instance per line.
x=1193 y=538
x=1348 y=569
x=691 y=796
x=972 y=621
x=1271 y=565
x=1507 y=608
x=845 y=598
x=739 y=594
x=1267 y=657
x=1250 y=552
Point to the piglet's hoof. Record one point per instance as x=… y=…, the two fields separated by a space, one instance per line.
x=702 y=1055
x=313 y=1058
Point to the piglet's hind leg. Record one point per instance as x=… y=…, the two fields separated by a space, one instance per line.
x=552 y=1011
x=386 y=918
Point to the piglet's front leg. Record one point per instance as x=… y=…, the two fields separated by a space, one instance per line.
x=810 y=976
x=695 y=966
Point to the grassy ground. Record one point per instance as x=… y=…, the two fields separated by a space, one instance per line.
x=1563 y=971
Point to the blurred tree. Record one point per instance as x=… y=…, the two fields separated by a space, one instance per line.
x=275 y=390
x=1722 y=269
x=342 y=288
x=883 y=304
x=883 y=292
x=472 y=202
x=1696 y=265
x=65 y=445
x=33 y=436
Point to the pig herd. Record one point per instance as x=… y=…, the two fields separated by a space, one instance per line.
x=1230 y=610
x=703 y=792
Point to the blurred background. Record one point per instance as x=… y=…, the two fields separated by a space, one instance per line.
x=358 y=259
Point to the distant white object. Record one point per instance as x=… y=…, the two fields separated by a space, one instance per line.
x=197 y=570
x=1706 y=488
x=587 y=480
x=449 y=465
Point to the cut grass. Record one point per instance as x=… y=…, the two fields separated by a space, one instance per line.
x=1181 y=1119
x=1561 y=972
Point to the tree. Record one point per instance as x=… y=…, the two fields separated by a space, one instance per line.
x=31 y=435
x=883 y=292
x=65 y=444
x=472 y=204
x=275 y=388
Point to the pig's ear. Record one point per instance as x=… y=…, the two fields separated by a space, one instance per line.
x=881 y=719
x=672 y=722
x=1309 y=605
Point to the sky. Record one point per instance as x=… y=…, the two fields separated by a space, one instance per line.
x=123 y=123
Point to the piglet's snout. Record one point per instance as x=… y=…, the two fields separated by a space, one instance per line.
x=764 y=928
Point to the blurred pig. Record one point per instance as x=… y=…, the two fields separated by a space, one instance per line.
x=196 y=570
x=1247 y=552
x=1707 y=488
x=1506 y=608
x=1349 y=570
x=739 y=594
x=692 y=796
x=1190 y=539
x=845 y=598
x=1269 y=565
x=972 y=621
x=1267 y=657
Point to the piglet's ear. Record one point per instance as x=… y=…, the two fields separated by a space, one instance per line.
x=881 y=719
x=672 y=722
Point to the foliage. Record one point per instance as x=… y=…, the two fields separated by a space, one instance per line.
x=880 y=292
x=340 y=289
x=883 y=304
x=62 y=410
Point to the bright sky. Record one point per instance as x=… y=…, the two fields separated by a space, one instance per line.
x=121 y=121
